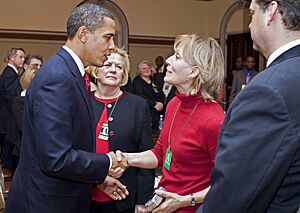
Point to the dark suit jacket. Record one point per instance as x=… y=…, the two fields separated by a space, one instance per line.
x=130 y=131
x=9 y=88
x=57 y=164
x=151 y=93
x=238 y=81
x=257 y=167
x=17 y=112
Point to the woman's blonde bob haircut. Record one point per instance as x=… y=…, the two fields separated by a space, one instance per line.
x=27 y=77
x=94 y=70
x=206 y=55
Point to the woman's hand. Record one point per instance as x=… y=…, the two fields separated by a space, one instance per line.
x=159 y=106
x=172 y=202
x=140 y=209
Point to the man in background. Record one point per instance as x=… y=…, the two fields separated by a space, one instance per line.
x=257 y=166
x=242 y=77
x=9 y=88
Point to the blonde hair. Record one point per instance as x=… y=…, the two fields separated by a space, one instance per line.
x=206 y=55
x=121 y=52
x=27 y=77
x=147 y=63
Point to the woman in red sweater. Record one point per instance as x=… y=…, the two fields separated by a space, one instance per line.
x=187 y=144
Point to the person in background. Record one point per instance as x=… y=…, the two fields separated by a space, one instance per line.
x=158 y=78
x=187 y=144
x=58 y=165
x=257 y=162
x=122 y=123
x=18 y=110
x=9 y=88
x=34 y=61
x=144 y=86
x=242 y=77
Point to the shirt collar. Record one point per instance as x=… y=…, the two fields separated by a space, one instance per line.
x=76 y=59
x=12 y=66
x=281 y=50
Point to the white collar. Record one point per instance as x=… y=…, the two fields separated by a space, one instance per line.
x=12 y=66
x=76 y=59
x=281 y=50
x=23 y=93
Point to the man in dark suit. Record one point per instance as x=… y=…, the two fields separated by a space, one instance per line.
x=9 y=88
x=257 y=166
x=57 y=164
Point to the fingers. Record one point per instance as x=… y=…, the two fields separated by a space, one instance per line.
x=119 y=155
x=118 y=160
x=163 y=193
x=116 y=173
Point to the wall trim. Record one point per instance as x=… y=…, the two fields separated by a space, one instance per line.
x=17 y=34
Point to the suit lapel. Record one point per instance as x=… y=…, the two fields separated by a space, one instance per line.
x=81 y=84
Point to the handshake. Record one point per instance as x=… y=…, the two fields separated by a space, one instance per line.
x=111 y=186
x=119 y=161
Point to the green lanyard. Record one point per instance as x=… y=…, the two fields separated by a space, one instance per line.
x=169 y=154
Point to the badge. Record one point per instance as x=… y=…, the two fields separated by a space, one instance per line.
x=104 y=132
x=167 y=163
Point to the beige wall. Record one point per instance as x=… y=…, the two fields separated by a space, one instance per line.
x=158 y=18
x=146 y=17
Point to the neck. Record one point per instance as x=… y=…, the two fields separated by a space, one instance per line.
x=146 y=78
x=184 y=88
x=107 y=92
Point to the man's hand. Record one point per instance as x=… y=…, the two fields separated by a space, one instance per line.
x=118 y=161
x=113 y=188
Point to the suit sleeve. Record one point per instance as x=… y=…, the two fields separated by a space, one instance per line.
x=55 y=114
x=254 y=153
x=12 y=86
x=145 y=176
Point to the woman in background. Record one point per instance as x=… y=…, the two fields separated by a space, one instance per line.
x=122 y=122
x=187 y=144
x=144 y=86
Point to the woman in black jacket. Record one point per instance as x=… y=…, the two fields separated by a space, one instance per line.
x=144 y=86
x=122 y=123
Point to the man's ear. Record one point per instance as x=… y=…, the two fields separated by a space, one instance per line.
x=82 y=34
x=26 y=66
x=272 y=10
x=194 y=72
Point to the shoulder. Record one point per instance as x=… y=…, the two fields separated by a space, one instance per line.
x=131 y=98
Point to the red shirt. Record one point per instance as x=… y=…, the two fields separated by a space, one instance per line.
x=102 y=144
x=193 y=149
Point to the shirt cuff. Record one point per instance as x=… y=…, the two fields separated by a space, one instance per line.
x=110 y=161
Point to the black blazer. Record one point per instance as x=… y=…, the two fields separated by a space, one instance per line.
x=130 y=131
x=17 y=112
x=57 y=162
x=9 y=88
x=257 y=166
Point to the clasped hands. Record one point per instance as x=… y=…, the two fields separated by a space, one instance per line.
x=111 y=186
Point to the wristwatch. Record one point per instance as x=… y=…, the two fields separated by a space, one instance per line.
x=193 y=201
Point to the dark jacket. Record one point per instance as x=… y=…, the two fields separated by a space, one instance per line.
x=57 y=162
x=151 y=93
x=257 y=166
x=130 y=131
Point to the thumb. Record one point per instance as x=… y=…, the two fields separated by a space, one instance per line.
x=119 y=155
